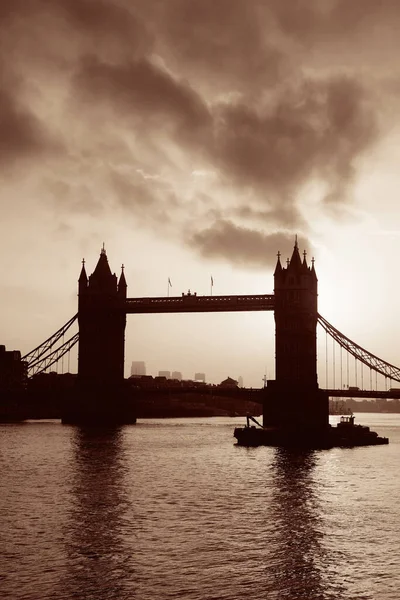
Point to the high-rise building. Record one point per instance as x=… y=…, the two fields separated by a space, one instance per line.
x=166 y=374
x=240 y=381
x=13 y=370
x=200 y=377
x=176 y=375
x=138 y=368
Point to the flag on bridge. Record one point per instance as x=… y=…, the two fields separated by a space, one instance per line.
x=169 y=282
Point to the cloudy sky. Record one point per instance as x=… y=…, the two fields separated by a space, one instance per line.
x=196 y=138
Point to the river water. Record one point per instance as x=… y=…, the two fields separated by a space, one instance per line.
x=170 y=509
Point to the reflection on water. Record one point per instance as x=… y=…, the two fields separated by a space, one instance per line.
x=94 y=532
x=171 y=510
x=297 y=569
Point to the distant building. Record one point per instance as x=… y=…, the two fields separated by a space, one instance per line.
x=240 y=381
x=141 y=381
x=200 y=377
x=138 y=368
x=229 y=382
x=166 y=374
x=13 y=370
x=176 y=375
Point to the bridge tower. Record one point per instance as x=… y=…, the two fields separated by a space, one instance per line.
x=102 y=321
x=294 y=398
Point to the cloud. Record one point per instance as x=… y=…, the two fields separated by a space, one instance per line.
x=245 y=90
x=141 y=90
x=317 y=130
x=241 y=246
x=227 y=46
x=22 y=134
x=106 y=23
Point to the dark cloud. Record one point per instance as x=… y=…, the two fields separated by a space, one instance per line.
x=227 y=45
x=242 y=246
x=250 y=90
x=106 y=21
x=287 y=214
x=317 y=130
x=22 y=134
x=149 y=201
x=141 y=90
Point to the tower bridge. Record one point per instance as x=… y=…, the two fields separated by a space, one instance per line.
x=292 y=399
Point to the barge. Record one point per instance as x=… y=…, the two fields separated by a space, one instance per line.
x=345 y=435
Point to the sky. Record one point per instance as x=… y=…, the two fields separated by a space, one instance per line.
x=196 y=139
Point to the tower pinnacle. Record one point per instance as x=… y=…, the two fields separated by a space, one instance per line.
x=295 y=261
x=278 y=268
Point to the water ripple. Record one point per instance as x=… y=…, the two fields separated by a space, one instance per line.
x=173 y=509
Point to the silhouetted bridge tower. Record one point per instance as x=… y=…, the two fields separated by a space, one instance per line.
x=294 y=398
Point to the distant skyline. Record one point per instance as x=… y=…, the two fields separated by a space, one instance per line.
x=139 y=368
x=195 y=139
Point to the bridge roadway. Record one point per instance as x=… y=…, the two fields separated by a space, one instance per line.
x=364 y=393
x=193 y=303
x=255 y=394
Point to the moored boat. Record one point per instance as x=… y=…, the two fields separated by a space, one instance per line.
x=346 y=434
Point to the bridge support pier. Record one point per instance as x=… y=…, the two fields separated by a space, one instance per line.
x=99 y=405
x=293 y=407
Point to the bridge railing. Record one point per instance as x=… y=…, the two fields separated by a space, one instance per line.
x=194 y=303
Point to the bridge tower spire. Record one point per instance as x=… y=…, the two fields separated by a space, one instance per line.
x=294 y=397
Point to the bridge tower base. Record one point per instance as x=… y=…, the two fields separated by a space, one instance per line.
x=94 y=405
x=293 y=407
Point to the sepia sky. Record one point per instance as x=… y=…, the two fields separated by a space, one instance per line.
x=196 y=138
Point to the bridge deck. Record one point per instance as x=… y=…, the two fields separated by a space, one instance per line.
x=193 y=303
x=364 y=393
x=257 y=394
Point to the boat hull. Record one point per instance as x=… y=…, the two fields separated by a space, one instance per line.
x=328 y=437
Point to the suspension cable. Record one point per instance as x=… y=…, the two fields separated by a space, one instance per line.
x=40 y=365
x=40 y=350
x=359 y=353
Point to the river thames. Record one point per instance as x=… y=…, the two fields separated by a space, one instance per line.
x=169 y=509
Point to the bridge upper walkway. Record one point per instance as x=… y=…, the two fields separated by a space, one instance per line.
x=193 y=303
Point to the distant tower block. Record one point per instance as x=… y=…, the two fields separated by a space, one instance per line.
x=176 y=375
x=138 y=368
x=166 y=374
x=240 y=381
x=294 y=397
x=102 y=320
x=200 y=377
